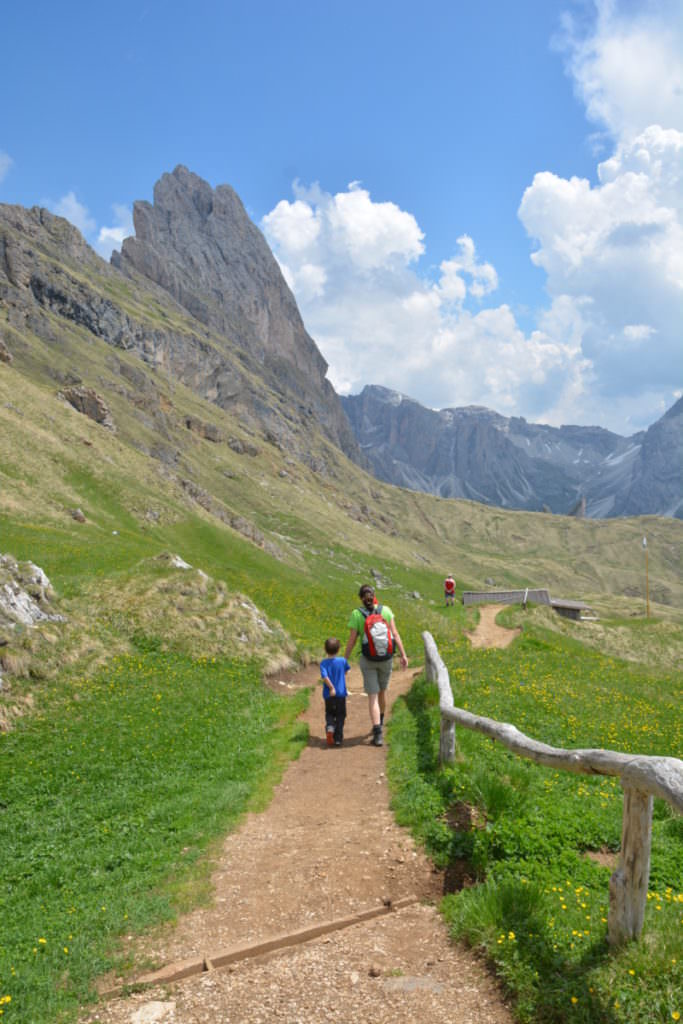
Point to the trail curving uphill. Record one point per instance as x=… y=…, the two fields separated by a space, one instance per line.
x=326 y=852
x=487 y=632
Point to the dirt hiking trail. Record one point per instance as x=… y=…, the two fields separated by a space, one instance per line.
x=487 y=632
x=325 y=850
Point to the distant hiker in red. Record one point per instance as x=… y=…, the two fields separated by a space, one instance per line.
x=333 y=677
x=449 y=589
x=376 y=625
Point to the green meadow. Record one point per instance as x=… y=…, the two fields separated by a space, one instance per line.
x=138 y=729
x=112 y=795
x=150 y=735
x=531 y=845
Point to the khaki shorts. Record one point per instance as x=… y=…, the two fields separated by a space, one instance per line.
x=376 y=674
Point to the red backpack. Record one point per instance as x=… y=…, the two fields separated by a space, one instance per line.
x=377 y=643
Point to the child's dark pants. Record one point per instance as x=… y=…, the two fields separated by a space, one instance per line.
x=335 y=714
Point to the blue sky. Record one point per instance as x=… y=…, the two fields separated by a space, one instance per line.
x=473 y=203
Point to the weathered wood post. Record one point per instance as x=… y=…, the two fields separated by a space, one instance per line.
x=436 y=672
x=628 y=884
x=447 y=741
x=430 y=667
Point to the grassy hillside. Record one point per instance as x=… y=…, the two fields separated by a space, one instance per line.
x=53 y=458
x=124 y=714
x=529 y=850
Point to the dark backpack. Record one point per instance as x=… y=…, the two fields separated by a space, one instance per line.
x=377 y=642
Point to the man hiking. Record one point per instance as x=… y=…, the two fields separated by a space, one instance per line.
x=376 y=625
x=449 y=589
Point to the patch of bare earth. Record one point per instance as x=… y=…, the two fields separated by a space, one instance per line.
x=606 y=858
x=326 y=848
x=487 y=632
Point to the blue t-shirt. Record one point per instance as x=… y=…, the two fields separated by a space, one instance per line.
x=335 y=670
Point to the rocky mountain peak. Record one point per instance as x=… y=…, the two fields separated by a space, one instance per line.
x=39 y=229
x=199 y=244
x=195 y=251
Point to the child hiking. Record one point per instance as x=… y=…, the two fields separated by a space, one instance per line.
x=333 y=671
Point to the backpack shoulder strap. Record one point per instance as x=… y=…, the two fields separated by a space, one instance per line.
x=377 y=610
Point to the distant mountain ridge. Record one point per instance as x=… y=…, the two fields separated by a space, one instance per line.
x=475 y=453
x=197 y=298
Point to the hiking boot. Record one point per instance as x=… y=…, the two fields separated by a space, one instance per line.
x=330 y=737
x=377 y=740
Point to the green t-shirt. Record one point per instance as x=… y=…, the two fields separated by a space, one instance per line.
x=357 y=620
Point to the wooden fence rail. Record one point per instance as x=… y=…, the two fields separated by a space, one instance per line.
x=642 y=778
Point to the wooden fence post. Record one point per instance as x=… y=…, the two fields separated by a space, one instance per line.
x=430 y=668
x=436 y=672
x=628 y=884
x=447 y=741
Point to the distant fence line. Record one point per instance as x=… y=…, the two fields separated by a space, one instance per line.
x=642 y=778
x=538 y=596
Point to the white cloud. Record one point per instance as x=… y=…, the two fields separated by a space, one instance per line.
x=70 y=208
x=377 y=319
x=604 y=348
x=372 y=234
x=294 y=226
x=483 y=277
x=638 y=332
x=348 y=229
x=5 y=164
x=110 y=238
x=627 y=68
x=607 y=348
x=615 y=250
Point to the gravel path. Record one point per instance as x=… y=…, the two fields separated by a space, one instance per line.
x=327 y=848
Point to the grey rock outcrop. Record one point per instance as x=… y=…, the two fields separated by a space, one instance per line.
x=87 y=401
x=199 y=245
x=25 y=595
x=206 y=430
x=655 y=485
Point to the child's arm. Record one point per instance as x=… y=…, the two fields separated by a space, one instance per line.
x=328 y=683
